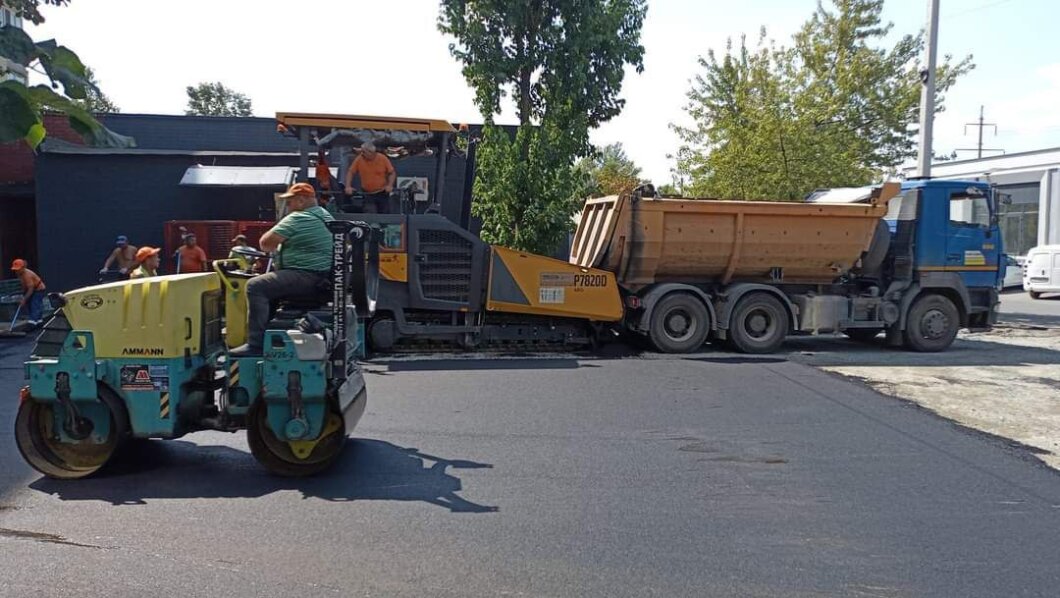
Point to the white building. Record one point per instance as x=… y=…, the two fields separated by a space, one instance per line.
x=1030 y=186
x=8 y=69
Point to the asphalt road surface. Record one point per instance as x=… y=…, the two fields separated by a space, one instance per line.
x=1017 y=307
x=715 y=475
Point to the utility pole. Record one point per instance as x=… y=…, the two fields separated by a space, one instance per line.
x=982 y=125
x=927 y=90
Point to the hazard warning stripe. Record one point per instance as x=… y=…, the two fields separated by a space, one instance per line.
x=233 y=374
x=163 y=406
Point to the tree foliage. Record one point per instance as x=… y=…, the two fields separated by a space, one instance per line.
x=608 y=171
x=21 y=106
x=96 y=101
x=562 y=64
x=30 y=9
x=669 y=190
x=834 y=109
x=214 y=99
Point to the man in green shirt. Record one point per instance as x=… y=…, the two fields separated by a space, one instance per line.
x=304 y=245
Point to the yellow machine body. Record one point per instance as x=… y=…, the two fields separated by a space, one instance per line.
x=236 y=312
x=394 y=266
x=525 y=283
x=158 y=317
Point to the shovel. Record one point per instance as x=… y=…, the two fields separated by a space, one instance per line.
x=10 y=332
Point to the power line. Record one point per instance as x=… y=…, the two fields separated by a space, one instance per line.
x=961 y=13
x=980 y=125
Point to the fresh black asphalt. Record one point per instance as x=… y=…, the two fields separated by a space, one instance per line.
x=712 y=475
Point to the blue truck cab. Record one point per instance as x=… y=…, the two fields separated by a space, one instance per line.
x=945 y=257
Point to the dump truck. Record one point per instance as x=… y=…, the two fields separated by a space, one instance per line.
x=917 y=261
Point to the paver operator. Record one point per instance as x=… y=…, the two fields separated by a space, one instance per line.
x=377 y=178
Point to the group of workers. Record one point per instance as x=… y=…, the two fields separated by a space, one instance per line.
x=301 y=240
x=144 y=261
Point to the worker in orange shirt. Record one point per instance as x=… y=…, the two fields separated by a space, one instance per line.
x=33 y=291
x=377 y=179
x=191 y=257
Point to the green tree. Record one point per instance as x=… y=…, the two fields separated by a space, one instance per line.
x=669 y=190
x=214 y=99
x=834 y=109
x=608 y=171
x=21 y=106
x=30 y=9
x=97 y=102
x=562 y=63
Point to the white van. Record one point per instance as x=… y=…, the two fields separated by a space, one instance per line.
x=1041 y=271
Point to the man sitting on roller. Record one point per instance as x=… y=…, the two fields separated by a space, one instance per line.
x=304 y=245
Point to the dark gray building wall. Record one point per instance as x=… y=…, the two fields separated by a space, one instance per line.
x=85 y=201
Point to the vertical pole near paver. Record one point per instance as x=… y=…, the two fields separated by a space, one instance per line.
x=303 y=154
x=927 y=90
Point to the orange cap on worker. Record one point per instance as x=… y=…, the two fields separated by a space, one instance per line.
x=145 y=252
x=18 y=264
x=300 y=190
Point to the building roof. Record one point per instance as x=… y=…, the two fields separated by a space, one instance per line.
x=60 y=147
x=354 y=121
x=201 y=133
x=1041 y=159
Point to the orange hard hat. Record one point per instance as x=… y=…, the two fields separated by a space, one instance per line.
x=300 y=190
x=18 y=264
x=145 y=252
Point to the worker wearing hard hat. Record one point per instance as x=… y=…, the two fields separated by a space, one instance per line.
x=377 y=178
x=148 y=260
x=32 y=291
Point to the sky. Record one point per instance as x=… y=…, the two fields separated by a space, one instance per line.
x=388 y=58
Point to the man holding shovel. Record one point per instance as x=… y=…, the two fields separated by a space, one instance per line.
x=32 y=289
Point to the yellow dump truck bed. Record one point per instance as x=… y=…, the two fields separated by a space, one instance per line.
x=645 y=241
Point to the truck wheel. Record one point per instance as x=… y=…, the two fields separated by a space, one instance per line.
x=759 y=324
x=679 y=323
x=1035 y=294
x=932 y=324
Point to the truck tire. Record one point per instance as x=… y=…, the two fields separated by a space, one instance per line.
x=1035 y=294
x=932 y=324
x=679 y=323
x=759 y=324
